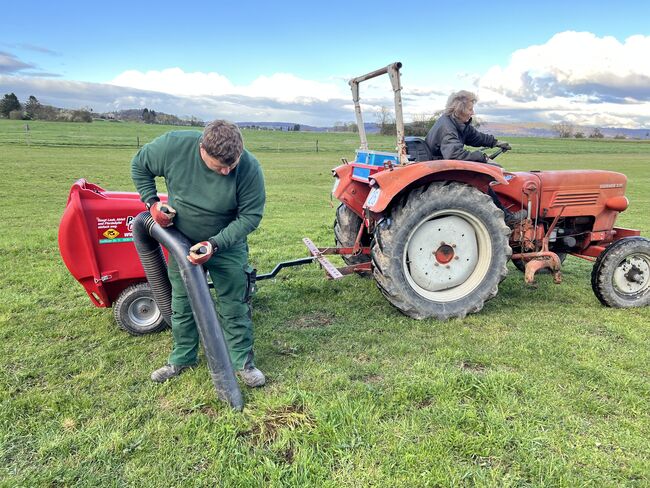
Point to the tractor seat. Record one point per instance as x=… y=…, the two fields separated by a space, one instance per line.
x=417 y=150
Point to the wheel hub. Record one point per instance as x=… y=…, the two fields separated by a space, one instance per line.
x=442 y=253
x=143 y=312
x=632 y=275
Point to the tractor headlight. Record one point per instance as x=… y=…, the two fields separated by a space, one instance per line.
x=373 y=196
x=337 y=181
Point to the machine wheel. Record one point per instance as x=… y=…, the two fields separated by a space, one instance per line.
x=521 y=265
x=346 y=227
x=621 y=275
x=442 y=252
x=136 y=311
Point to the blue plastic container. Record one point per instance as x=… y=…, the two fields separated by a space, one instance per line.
x=374 y=158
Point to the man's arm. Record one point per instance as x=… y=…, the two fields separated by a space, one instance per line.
x=452 y=147
x=476 y=138
x=148 y=163
x=251 y=197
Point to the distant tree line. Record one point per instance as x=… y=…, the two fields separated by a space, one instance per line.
x=285 y=127
x=419 y=126
x=566 y=130
x=149 y=116
x=345 y=127
x=32 y=109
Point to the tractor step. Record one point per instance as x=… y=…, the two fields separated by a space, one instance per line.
x=329 y=268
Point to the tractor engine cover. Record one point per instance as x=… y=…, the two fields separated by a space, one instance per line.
x=581 y=192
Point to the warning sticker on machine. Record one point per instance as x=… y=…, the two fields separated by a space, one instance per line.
x=114 y=230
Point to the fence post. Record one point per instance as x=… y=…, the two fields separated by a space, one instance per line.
x=138 y=140
x=316 y=145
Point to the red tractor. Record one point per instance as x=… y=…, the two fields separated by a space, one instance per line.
x=438 y=246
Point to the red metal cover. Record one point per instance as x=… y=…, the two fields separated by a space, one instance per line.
x=96 y=242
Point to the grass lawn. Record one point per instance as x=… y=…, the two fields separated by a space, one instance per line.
x=545 y=387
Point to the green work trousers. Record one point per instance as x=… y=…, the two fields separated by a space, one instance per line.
x=233 y=283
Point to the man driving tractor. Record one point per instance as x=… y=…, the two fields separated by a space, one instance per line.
x=450 y=133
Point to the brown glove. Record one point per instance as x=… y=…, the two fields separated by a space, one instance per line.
x=162 y=213
x=200 y=252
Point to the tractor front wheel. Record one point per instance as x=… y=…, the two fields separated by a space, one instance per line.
x=346 y=229
x=442 y=252
x=621 y=275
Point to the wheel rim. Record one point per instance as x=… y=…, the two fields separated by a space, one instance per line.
x=632 y=275
x=143 y=312
x=447 y=255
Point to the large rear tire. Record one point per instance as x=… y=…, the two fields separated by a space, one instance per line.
x=346 y=228
x=442 y=252
x=620 y=277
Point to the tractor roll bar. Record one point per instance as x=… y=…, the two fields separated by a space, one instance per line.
x=393 y=74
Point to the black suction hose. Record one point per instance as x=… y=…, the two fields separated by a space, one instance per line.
x=147 y=235
x=155 y=268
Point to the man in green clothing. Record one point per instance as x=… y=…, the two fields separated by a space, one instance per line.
x=216 y=198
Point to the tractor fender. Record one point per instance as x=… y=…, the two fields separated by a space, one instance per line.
x=386 y=185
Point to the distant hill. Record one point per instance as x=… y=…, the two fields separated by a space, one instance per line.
x=371 y=127
x=546 y=130
x=280 y=126
x=150 y=117
x=531 y=129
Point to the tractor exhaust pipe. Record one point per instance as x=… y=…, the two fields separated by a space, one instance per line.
x=147 y=236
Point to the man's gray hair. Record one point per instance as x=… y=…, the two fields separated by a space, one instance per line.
x=222 y=140
x=458 y=103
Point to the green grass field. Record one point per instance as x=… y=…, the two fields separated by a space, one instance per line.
x=545 y=387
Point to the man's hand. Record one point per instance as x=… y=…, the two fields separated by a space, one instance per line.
x=503 y=145
x=162 y=213
x=200 y=252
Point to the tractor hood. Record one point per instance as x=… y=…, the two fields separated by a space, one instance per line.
x=570 y=193
x=581 y=181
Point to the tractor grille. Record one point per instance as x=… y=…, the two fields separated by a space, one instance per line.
x=562 y=199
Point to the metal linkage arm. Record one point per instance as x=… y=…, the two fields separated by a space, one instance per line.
x=393 y=72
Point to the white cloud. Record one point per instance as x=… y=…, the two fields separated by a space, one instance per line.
x=283 y=87
x=575 y=76
x=175 y=81
x=286 y=87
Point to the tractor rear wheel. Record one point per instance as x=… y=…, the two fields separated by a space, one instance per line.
x=346 y=229
x=442 y=252
x=620 y=277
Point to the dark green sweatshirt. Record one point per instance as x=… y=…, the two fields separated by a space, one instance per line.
x=209 y=205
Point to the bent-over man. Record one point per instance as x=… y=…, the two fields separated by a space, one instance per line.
x=216 y=198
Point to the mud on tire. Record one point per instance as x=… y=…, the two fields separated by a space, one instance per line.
x=621 y=275
x=442 y=252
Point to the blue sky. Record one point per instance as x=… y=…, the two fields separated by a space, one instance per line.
x=528 y=61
